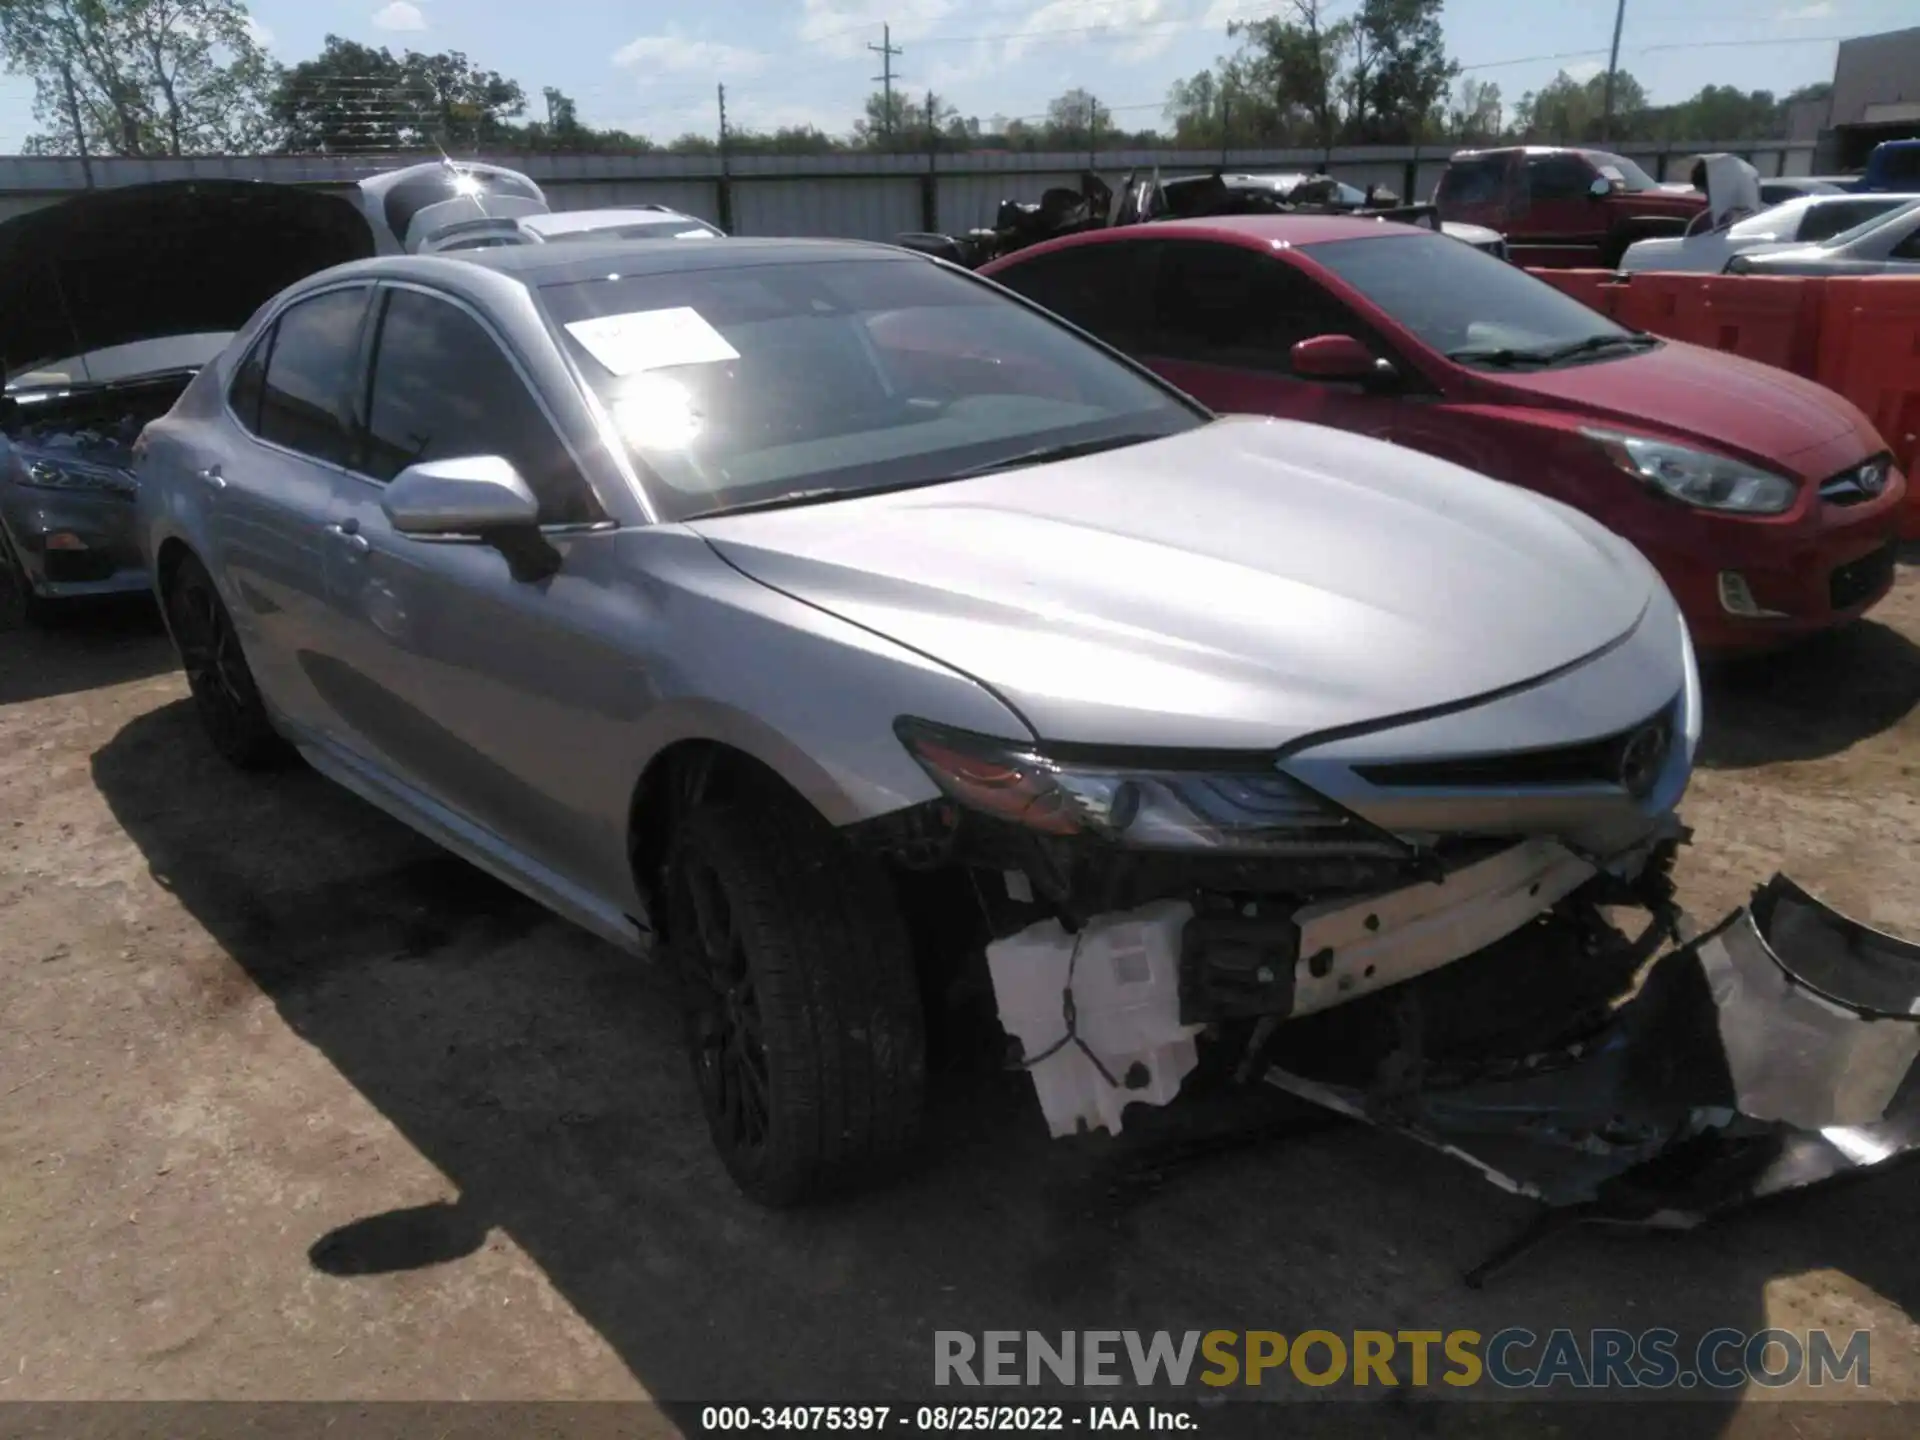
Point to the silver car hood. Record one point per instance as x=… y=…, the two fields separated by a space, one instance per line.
x=1238 y=586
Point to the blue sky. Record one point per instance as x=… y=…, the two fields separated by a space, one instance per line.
x=653 y=68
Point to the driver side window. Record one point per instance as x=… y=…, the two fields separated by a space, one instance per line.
x=1232 y=306
x=443 y=389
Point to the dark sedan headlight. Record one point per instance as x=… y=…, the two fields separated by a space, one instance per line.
x=46 y=473
x=1236 y=808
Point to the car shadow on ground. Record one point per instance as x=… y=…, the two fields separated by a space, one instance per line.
x=82 y=646
x=1814 y=700
x=542 y=1073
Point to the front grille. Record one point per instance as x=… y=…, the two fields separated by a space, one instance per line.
x=1858 y=484
x=1860 y=580
x=1594 y=762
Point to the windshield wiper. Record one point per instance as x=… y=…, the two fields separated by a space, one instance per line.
x=1591 y=345
x=1047 y=454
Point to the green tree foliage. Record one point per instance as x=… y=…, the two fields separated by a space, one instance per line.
x=139 y=77
x=356 y=98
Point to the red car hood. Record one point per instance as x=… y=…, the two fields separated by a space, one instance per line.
x=1735 y=405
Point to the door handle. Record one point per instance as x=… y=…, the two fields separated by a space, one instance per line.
x=212 y=476
x=349 y=531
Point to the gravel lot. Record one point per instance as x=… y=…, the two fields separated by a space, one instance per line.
x=293 y=1105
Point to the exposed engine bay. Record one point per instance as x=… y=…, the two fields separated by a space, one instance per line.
x=87 y=430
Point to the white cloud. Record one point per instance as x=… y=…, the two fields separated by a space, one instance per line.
x=1584 y=70
x=399 y=16
x=675 y=53
x=260 y=34
x=1108 y=22
x=1819 y=10
x=845 y=27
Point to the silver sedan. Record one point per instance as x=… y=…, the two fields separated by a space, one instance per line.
x=716 y=595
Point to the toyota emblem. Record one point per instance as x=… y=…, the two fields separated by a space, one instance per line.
x=1642 y=758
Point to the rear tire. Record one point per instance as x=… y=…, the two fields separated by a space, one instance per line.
x=224 y=692
x=802 y=1009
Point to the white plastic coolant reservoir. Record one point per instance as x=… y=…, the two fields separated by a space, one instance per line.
x=1126 y=992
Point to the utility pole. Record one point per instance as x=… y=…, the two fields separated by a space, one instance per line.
x=1226 y=121
x=79 y=130
x=724 y=195
x=886 y=50
x=1613 y=64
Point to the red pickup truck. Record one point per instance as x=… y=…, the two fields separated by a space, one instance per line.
x=1563 y=207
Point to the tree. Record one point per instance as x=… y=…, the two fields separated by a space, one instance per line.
x=1293 y=68
x=1477 y=116
x=1193 y=111
x=1567 y=110
x=139 y=77
x=353 y=97
x=906 y=124
x=1410 y=70
x=1076 y=120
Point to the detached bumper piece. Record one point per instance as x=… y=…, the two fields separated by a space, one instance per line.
x=1775 y=1052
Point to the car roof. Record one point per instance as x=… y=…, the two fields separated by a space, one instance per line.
x=591 y=259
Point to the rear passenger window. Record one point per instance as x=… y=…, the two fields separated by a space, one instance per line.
x=1474 y=182
x=1088 y=285
x=1228 y=305
x=1823 y=222
x=443 y=389
x=250 y=381
x=309 y=374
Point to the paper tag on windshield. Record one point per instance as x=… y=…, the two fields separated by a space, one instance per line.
x=651 y=340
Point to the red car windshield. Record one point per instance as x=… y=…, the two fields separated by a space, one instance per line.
x=1466 y=304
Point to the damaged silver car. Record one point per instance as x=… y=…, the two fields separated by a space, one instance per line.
x=109 y=304
x=832 y=622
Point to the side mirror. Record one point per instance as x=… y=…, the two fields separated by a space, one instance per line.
x=475 y=497
x=1600 y=189
x=1332 y=357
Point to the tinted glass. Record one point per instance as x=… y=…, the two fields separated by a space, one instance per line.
x=1089 y=285
x=1473 y=182
x=250 y=381
x=1558 y=177
x=443 y=389
x=1229 y=305
x=410 y=196
x=745 y=385
x=310 y=373
x=1822 y=222
x=1456 y=298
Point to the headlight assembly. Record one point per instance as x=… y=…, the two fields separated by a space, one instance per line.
x=43 y=473
x=1697 y=477
x=1249 y=809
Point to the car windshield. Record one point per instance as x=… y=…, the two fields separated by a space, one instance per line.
x=1628 y=173
x=781 y=383
x=1465 y=303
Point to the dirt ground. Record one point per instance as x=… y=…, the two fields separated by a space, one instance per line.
x=292 y=1105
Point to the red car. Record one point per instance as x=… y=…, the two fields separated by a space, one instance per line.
x=1768 y=503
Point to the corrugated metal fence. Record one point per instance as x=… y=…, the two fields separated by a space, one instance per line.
x=866 y=197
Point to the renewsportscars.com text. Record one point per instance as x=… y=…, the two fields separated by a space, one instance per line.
x=1515 y=1358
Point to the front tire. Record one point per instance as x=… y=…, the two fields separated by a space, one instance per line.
x=19 y=606
x=802 y=1009
x=224 y=692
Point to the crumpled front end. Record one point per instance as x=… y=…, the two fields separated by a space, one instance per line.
x=1774 y=1052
